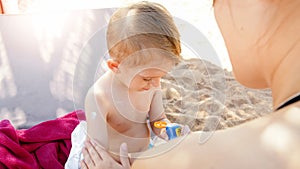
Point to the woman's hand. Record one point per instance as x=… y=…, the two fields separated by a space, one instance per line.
x=96 y=157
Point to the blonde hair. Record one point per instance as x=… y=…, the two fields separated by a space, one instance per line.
x=143 y=25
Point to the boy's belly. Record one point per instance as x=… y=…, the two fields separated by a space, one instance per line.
x=137 y=139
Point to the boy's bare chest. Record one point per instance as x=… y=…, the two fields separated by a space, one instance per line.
x=131 y=108
x=118 y=122
x=128 y=113
x=129 y=123
x=120 y=130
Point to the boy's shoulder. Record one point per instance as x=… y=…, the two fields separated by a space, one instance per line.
x=98 y=90
x=100 y=85
x=96 y=97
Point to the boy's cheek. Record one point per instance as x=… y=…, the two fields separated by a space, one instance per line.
x=138 y=83
x=136 y=86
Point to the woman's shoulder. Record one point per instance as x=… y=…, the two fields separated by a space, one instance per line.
x=291 y=114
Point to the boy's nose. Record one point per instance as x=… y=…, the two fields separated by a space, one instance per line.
x=155 y=82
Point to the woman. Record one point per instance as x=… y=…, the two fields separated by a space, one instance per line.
x=262 y=38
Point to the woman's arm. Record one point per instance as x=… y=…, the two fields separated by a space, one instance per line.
x=269 y=142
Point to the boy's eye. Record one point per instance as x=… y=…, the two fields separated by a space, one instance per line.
x=147 y=79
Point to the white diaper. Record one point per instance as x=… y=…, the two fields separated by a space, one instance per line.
x=77 y=138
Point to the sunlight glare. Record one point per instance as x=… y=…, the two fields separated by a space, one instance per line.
x=55 y=5
x=293 y=116
x=48 y=26
x=277 y=137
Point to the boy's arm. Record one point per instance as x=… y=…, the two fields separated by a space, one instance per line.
x=157 y=112
x=96 y=118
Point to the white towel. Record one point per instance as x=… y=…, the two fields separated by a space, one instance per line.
x=77 y=138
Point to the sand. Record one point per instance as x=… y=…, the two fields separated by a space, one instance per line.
x=201 y=94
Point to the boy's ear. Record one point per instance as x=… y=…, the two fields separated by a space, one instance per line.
x=113 y=65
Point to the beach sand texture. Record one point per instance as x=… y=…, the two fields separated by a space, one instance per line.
x=199 y=94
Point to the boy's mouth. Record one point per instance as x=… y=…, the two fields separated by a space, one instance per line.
x=145 y=88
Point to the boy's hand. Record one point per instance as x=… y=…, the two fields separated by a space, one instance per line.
x=161 y=126
x=185 y=129
x=164 y=135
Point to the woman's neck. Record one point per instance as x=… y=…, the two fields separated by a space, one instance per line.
x=286 y=80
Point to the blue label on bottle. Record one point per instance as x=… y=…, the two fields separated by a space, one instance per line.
x=173 y=130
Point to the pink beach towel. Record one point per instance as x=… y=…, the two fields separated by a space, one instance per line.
x=46 y=145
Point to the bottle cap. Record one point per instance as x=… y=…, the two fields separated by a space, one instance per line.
x=160 y=124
